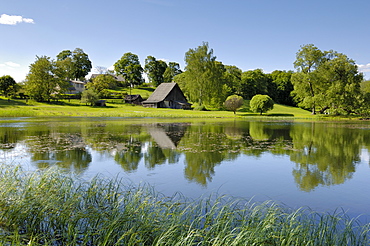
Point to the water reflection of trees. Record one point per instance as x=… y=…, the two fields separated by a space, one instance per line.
x=324 y=153
x=66 y=150
x=9 y=136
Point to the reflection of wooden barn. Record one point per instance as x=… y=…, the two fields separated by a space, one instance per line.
x=168 y=135
x=167 y=95
x=133 y=99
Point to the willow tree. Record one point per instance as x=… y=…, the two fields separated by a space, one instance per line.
x=204 y=80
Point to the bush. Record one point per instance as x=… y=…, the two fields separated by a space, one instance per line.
x=261 y=104
x=89 y=96
x=233 y=102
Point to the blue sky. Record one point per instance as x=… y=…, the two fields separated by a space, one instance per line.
x=249 y=34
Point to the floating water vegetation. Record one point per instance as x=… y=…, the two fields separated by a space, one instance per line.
x=50 y=208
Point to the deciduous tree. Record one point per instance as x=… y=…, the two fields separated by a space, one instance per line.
x=155 y=70
x=233 y=103
x=326 y=81
x=8 y=86
x=232 y=78
x=129 y=67
x=261 y=104
x=204 y=80
x=41 y=82
x=76 y=64
x=254 y=82
x=306 y=83
x=89 y=96
x=172 y=70
x=282 y=86
x=341 y=84
x=101 y=83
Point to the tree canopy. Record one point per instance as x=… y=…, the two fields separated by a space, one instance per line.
x=155 y=70
x=129 y=67
x=101 y=83
x=8 y=86
x=204 y=77
x=41 y=82
x=233 y=102
x=261 y=103
x=328 y=81
x=73 y=65
x=171 y=71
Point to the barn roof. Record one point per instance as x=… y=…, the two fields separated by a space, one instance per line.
x=161 y=92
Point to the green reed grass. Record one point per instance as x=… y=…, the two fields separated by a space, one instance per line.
x=50 y=208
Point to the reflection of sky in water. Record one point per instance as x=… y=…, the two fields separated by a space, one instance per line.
x=266 y=177
x=365 y=157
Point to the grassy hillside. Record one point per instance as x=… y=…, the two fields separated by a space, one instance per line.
x=116 y=108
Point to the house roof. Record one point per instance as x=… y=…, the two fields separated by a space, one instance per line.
x=161 y=92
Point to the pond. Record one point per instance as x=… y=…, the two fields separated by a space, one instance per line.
x=322 y=165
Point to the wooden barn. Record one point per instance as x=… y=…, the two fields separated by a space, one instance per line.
x=167 y=95
x=134 y=99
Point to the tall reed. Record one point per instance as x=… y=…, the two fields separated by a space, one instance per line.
x=50 y=208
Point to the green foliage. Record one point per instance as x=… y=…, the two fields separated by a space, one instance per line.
x=341 y=84
x=281 y=88
x=254 y=82
x=89 y=96
x=204 y=78
x=101 y=83
x=328 y=81
x=41 y=83
x=232 y=77
x=8 y=86
x=129 y=67
x=233 y=103
x=261 y=104
x=73 y=65
x=155 y=70
x=171 y=71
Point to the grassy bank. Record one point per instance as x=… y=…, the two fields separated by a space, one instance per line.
x=47 y=208
x=115 y=108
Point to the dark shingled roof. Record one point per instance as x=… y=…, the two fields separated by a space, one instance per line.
x=161 y=92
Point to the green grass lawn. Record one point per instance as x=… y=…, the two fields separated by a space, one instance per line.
x=115 y=108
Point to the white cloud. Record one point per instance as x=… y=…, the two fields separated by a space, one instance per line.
x=364 y=68
x=14 y=19
x=12 y=64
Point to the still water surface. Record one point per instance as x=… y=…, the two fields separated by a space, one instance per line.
x=323 y=165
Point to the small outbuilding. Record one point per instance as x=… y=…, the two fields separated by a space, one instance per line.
x=133 y=99
x=167 y=95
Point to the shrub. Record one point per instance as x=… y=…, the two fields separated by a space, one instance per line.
x=233 y=103
x=261 y=104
